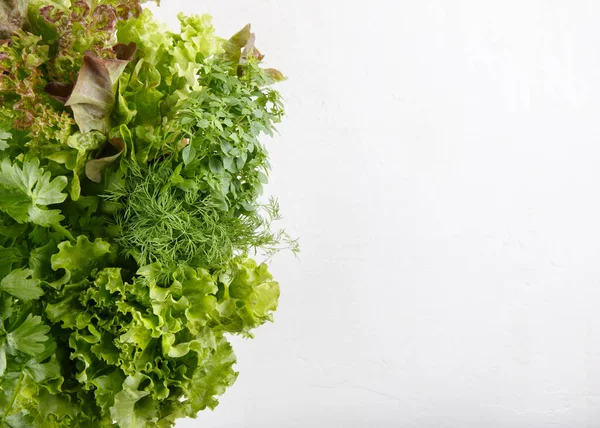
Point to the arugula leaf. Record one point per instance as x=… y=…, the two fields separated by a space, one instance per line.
x=26 y=191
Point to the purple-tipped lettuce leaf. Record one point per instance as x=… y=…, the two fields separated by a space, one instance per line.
x=92 y=98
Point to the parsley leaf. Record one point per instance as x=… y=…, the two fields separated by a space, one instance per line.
x=4 y=137
x=19 y=283
x=26 y=191
x=29 y=337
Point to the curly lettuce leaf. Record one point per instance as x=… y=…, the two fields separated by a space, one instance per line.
x=25 y=107
x=197 y=38
x=151 y=37
x=13 y=15
x=162 y=354
x=249 y=296
x=131 y=409
x=80 y=259
x=215 y=376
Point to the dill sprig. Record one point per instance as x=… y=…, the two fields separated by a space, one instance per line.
x=164 y=222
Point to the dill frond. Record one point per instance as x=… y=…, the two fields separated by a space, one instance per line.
x=161 y=222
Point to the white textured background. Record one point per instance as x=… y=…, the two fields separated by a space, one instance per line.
x=440 y=163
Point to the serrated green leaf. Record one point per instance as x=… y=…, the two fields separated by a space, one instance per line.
x=39 y=260
x=26 y=191
x=44 y=372
x=19 y=283
x=29 y=337
x=8 y=257
x=4 y=137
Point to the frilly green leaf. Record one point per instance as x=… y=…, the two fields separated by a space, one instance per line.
x=81 y=259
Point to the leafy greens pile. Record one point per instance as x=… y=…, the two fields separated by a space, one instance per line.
x=130 y=180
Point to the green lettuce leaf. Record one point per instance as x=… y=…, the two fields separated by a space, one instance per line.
x=210 y=379
x=150 y=36
x=95 y=167
x=197 y=37
x=81 y=259
x=134 y=408
x=249 y=296
x=162 y=354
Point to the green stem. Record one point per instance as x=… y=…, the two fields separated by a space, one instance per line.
x=64 y=232
x=14 y=396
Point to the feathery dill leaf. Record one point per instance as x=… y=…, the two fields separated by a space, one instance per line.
x=162 y=222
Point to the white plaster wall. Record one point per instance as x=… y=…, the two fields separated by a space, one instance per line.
x=440 y=162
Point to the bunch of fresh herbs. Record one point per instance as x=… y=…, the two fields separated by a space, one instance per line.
x=131 y=173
